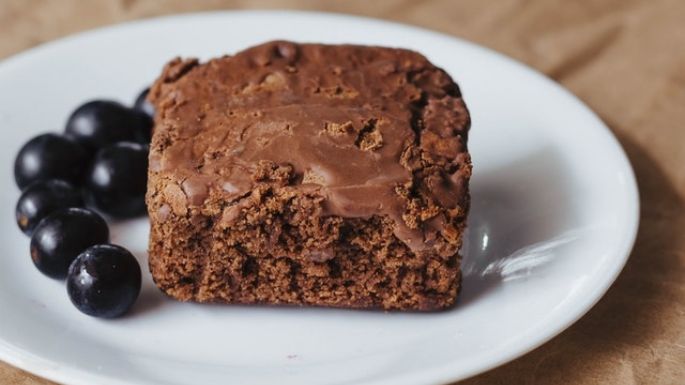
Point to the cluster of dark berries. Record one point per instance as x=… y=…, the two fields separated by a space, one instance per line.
x=99 y=164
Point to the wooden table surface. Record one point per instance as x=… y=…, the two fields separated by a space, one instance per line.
x=624 y=58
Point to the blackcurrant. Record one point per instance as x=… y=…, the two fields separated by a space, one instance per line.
x=42 y=198
x=61 y=236
x=104 y=281
x=143 y=105
x=100 y=123
x=117 y=180
x=50 y=156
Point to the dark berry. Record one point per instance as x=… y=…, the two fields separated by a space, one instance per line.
x=61 y=236
x=104 y=281
x=100 y=123
x=147 y=113
x=143 y=132
x=143 y=105
x=42 y=198
x=117 y=180
x=50 y=156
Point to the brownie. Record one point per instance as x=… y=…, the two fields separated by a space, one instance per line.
x=309 y=174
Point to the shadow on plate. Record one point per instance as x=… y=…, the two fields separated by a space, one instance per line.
x=519 y=214
x=150 y=298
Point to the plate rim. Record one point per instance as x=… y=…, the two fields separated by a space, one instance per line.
x=62 y=373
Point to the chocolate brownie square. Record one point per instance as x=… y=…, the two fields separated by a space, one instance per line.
x=309 y=174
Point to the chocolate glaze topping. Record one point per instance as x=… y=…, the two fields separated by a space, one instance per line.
x=375 y=131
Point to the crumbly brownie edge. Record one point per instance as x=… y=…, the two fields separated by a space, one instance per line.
x=311 y=260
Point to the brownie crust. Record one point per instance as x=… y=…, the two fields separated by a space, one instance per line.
x=308 y=174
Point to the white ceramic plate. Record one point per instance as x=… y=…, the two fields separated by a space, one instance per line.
x=554 y=216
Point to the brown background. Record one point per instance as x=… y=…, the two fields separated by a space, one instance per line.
x=626 y=59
